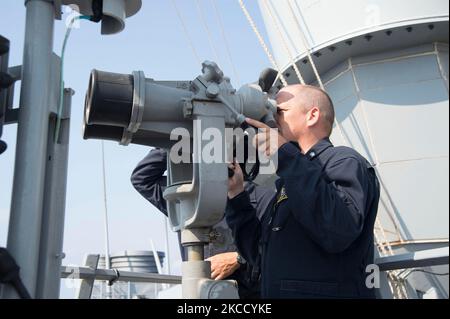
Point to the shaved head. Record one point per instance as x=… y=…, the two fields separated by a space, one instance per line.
x=307 y=97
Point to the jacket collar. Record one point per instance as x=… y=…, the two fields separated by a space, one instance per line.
x=318 y=148
x=315 y=151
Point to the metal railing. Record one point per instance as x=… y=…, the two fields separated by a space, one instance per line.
x=89 y=273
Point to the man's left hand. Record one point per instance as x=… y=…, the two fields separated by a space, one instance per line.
x=268 y=140
x=223 y=265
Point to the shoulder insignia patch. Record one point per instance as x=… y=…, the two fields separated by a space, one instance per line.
x=282 y=196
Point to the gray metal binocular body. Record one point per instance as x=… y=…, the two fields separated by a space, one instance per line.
x=135 y=109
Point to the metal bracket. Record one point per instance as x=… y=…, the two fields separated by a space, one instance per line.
x=116 y=278
x=86 y=286
x=126 y=138
x=137 y=110
x=12 y=114
x=58 y=6
x=201 y=202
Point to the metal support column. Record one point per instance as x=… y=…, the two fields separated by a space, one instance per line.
x=29 y=171
x=52 y=232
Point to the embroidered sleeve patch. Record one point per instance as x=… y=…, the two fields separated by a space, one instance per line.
x=282 y=196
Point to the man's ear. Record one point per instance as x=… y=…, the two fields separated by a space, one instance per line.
x=313 y=116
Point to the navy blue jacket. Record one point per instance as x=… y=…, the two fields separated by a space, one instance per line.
x=317 y=238
x=149 y=180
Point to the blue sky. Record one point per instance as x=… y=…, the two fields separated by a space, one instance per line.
x=153 y=41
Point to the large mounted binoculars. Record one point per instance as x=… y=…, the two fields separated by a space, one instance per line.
x=135 y=109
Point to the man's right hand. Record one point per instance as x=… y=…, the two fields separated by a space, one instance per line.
x=223 y=265
x=235 y=182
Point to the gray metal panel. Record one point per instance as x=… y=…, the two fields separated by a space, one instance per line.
x=442 y=50
x=401 y=71
x=334 y=72
x=350 y=116
x=420 y=191
x=406 y=112
x=394 y=54
x=342 y=87
x=408 y=121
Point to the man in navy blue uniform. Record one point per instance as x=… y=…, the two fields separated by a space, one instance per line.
x=316 y=239
x=149 y=180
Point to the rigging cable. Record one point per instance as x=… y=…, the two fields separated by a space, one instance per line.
x=227 y=46
x=306 y=45
x=185 y=31
x=261 y=41
x=105 y=203
x=208 y=32
x=283 y=40
x=61 y=79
